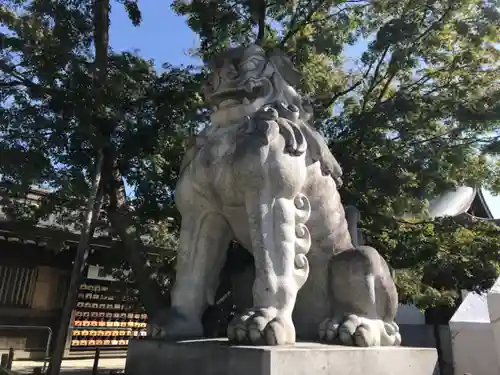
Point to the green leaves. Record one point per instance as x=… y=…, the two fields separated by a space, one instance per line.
x=436 y=260
x=134 y=13
x=49 y=135
x=217 y=22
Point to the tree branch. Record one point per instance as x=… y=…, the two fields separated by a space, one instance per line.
x=121 y=220
x=11 y=84
x=385 y=88
x=418 y=84
x=320 y=21
x=465 y=142
x=20 y=80
x=294 y=28
x=375 y=79
x=390 y=78
x=293 y=23
x=432 y=26
x=346 y=91
x=261 y=22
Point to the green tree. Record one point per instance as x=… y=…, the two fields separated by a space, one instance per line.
x=436 y=260
x=66 y=98
x=415 y=115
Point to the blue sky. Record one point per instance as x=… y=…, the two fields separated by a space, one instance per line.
x=165 y=37
x=162 y=36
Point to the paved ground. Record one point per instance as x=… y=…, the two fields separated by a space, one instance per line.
x=73 y=366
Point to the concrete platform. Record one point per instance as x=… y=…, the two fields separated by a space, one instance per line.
x=216 y=357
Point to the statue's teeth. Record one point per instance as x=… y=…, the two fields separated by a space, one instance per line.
x=228 y=103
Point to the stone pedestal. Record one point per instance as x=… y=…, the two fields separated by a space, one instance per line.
x=216 y=357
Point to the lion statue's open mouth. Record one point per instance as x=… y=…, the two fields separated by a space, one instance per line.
x=248 y=92
x=243 y=80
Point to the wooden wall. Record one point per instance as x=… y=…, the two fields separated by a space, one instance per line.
x=33 y=285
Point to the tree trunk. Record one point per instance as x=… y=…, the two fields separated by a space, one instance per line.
x=118 y=210
x=93 y=207
x=101 y=39
x=112 y=185
x=120 y=218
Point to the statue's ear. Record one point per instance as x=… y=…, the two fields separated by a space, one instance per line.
x=285 y=67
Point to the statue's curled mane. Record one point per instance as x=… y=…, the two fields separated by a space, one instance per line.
x=299 y=136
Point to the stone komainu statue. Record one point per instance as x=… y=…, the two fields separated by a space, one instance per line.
x=261 y=175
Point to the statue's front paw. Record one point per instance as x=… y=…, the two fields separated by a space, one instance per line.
x=354 y=330
x=262 y=327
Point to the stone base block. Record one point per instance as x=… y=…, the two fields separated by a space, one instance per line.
x=217 y=357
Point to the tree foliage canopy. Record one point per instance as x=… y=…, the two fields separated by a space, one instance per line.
x=406 y=92
x=49 y=137
x=58 y=113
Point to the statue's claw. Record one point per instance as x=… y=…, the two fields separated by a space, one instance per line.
x=359 y=331
x=261 y=327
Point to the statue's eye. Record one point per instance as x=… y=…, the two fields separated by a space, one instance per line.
x=247 y=66
x=250 y=64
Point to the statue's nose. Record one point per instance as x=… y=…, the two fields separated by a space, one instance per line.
x=230 y=73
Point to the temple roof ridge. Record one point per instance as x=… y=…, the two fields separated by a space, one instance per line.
x=460 y=201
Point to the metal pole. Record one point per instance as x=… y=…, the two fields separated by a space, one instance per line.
x=82 y=253
x=47 y=350
x=95 y=368
x=10 y=359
